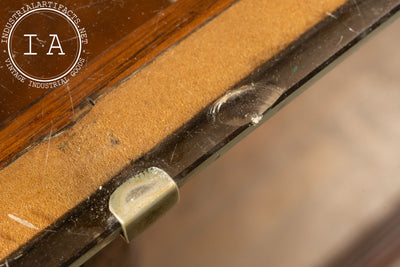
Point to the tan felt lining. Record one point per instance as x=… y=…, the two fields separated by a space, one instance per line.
x=56 y=175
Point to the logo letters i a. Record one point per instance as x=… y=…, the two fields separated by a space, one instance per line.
x=52 y=46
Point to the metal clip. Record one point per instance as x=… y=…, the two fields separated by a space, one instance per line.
x=142 y=200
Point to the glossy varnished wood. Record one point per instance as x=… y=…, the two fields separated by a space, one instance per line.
x=105 y=23
x=64 y=105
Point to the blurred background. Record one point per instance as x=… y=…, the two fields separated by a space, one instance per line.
x=302 y=188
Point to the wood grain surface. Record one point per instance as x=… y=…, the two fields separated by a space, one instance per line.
x=105 y=22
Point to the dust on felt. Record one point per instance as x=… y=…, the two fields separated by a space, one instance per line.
x=48 y=146
x=23 y=222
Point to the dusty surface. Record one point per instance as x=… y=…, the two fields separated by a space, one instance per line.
x=55 y=176
x=318 y=179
